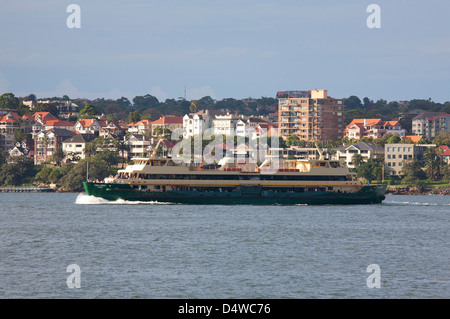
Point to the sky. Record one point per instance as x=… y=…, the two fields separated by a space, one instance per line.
x=225 y=49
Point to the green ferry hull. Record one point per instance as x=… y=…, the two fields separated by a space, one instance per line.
x=372 y=194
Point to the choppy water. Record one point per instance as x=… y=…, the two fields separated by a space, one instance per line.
x=151 y=250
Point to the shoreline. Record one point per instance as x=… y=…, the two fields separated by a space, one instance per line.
x=391 y=190
x=397 y=190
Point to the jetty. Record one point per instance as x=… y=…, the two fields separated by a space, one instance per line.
x=12 y=189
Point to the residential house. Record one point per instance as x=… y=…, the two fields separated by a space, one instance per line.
x=373 y=128
x=89 y=126
x=24 y=148
x=225 y=124
x=160 y=147
x=9 y=125
x=430 y=124
x=196 y=123
x=38 y=120
x=49 y=124
x=396 y=154
x=444 y=154
x=47 y=142
x=74 y=147
x=366 y=150
x=170 y=123
x=113 y=130
x=142 y=127
x=138 y=145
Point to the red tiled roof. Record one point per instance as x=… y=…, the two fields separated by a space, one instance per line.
x=10 y=117
x=435 y=117
x=414 y=138
x=444 y=150
x=86 y=122
x=169 y=120
x=58 y=123
x=369 y=122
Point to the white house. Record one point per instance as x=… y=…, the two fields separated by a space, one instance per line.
x=366 y=150
x=88 y=126
x=225 y=124
x=138 y=145
x=196 y=123
x=74 y=147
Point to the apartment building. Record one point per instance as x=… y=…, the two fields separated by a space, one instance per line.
x=430 y=124
x=396 y=154
x=312 y=115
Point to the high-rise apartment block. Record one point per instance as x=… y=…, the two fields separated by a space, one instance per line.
x=311 y=115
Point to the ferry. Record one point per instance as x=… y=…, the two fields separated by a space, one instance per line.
x=235 y=181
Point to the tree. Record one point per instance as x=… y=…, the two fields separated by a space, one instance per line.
x=370 y=170
x=352 y=102
x=134 y=117
x=412 y=167
x=294 y=140
x=357 y=160
x=58 y=156
x=74 y=178
x=19 y=171
x=442 y=138
x=122 y=147
x=9 y=101
x=394 y=139
x=109 y=157
x=194 y=106
x=89 y=111
x=433 y=163
x=90 y=149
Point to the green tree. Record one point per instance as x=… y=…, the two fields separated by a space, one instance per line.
x=122 y=147
x=58 y=156
x=394 y=139
x=134 y=117
x=89 y=111
x=74 y=178
x=292 y=140
x=412 y=167
x=357 y=160
x=9 y=101
x=433 y=164
x=109 y=157
x=370 y=170
x=19 y=171
x=352 y=102
x=194 y=106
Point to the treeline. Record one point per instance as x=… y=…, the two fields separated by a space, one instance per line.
x=149 y=107
x=367 y=108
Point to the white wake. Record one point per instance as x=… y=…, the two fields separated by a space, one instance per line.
x=84 y=199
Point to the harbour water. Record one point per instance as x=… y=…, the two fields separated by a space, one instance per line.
x=157 y=250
